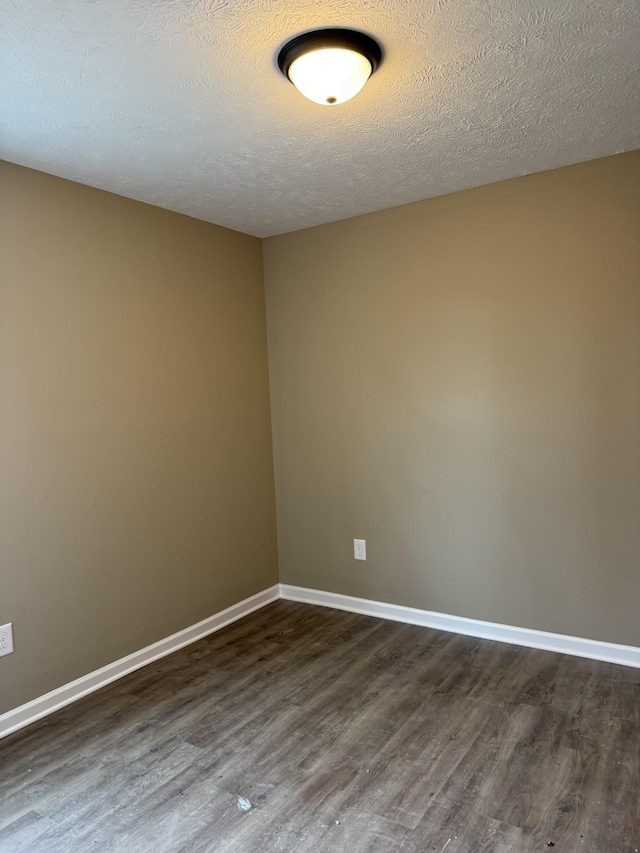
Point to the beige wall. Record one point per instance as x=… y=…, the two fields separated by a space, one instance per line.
x=136 y=478
x=458 y=382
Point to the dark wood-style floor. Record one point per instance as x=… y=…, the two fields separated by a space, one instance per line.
x=344 y=733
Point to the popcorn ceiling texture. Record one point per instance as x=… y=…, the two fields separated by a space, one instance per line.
x=179 y=102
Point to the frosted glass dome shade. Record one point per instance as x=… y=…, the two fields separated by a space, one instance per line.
x=329 y=66
x=330 y=75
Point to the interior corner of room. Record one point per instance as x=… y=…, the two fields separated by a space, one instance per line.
x=455 y=381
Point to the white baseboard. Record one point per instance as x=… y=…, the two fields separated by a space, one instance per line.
x=68 y=693
x=563 y=643
x=74 y=690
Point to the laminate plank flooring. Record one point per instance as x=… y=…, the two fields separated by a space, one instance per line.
x=342 y=733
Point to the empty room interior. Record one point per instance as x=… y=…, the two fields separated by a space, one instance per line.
x=319 y=426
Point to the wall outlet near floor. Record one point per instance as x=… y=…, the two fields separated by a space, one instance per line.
x=6 y=639
x=359 y=549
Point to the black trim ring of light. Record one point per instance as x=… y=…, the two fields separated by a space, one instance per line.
x=332 y=37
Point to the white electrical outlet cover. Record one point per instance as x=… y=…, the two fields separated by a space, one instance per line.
x=6 y=639
x=359 y=549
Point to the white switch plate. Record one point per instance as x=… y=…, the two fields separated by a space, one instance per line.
x=359 y=549
x=6 y=639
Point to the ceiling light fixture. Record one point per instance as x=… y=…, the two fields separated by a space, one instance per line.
x=330 y=66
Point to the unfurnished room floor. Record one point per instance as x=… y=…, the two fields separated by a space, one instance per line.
x=302 y=728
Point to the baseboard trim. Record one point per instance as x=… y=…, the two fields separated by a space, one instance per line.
x=26 y=714
x=563 y=643
x=44 y=705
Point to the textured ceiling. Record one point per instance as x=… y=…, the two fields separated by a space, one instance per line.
x=179 y=102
